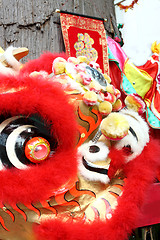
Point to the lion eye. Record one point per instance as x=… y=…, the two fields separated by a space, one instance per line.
x=24 y=141
x=37 y=149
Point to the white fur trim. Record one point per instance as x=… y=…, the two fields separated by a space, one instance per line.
x=92 y=176
x=140 y=127
x=6 y=70
x=91 y=158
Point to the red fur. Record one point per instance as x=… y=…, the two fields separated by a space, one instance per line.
x=49 y=101
x=43 y=63
x=140 y=174
x=118 y=163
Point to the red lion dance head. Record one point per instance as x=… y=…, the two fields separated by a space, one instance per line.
x=44 y=193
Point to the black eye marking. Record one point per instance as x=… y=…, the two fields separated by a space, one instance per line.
x=133 y=133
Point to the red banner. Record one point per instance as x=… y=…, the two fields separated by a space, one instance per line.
x=85 y=37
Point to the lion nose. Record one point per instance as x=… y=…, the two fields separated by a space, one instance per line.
x=94 y=149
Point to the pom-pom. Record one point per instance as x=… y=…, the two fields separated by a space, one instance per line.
x=106 y=96
x=83 y=78
x=117 y=105
x=135 y=103
x=80 y=67
x=115 y=126
x=59 y=65
x=111 y=89
x=73 y=60
x=107 y=78
x=95 y=86
x=117 y=93
x=82 y=59
x=40 y=73
x=90 y=98
x=105 y=108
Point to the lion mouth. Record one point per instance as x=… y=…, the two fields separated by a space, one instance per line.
x=95 y=167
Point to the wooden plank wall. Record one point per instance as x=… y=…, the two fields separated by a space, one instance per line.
x=35 y=24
